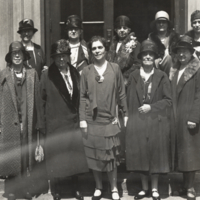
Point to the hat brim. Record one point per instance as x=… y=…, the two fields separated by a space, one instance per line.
x=27 y=28
x=174 y=50
x=140 y=54
x=8 y=56
x=153 y=24
x=55 y=54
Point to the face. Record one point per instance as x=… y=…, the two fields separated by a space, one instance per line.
x=196 y=25
x=122 y=32
x=148 y=58
x=17 y=57
x=184 y=55
x=98 y=50
x=61 y=60
x=74 y=33
x=27 y=35
x=161 y=25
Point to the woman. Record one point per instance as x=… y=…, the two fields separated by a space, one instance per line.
x=101 y=89
x=124 y=47
x=27 y=31
x=165 y=38
x=147 y=133
x=195 y=32
x=186 y=111
x=59 y=87
x=79 y=51
x=19 y=95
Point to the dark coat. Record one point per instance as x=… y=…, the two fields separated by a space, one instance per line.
x=10 y=137
x=40 y=59
x=167 y=62
x=127 y=62
x=63 y=144
x=186 y=107
x=147 y=135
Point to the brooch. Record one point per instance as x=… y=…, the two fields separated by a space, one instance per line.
x=99 y=79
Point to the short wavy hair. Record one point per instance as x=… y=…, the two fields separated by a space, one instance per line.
x=100 y=39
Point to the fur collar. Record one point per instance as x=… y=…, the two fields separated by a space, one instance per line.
x=173 y=38
x=56 y=78
x=190 y=70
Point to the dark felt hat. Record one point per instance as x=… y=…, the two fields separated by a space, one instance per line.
x=16 y=46
x=122 y=21
x=73 y=21
x=184 y=42
x=148 y=45
x=195 y=15
x=26 y=24
x=161 y=15
x=60 y=47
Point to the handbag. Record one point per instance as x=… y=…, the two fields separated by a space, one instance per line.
x=39 y=152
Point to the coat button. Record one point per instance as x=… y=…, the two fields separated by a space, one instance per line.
x=15 y=123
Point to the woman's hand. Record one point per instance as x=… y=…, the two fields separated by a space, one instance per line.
x=191 y=125
x=144 y=109
x=125 y=121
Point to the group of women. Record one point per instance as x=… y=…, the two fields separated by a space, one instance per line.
x=155 y=86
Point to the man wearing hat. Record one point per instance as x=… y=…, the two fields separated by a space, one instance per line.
x=195 y=32
x=165 y=38
x=79 y=51
x=185 y=132
x=64 y=150
x=37 y=57
x=147 y=133
x=19 y=97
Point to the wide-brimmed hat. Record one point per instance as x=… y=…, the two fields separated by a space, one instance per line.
x=60 y=47
x=26 y=24
x=161 y=15
x=73 y=21
x=148 y=45
x=122 y=20
x=184 y=42
x=16 y=46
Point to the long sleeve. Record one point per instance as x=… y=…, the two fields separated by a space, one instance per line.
x=122 y=92
x=83 y=96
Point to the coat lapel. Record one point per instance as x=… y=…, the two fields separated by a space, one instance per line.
x=139 y=86
x=10 y=82
x=189 y=72
x=157 y=76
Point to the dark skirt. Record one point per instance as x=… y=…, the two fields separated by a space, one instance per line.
x=102 y=147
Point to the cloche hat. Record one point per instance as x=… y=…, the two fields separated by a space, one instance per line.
x=73 y=21
x=122 y=20
x=148 y=45
x=184 y=42
x=60 y=47
x=26 y=24
x=16 y=46
x=161 y=15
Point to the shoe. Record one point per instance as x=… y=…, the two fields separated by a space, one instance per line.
x=117 y=193
x=191 y=195
x=182 y=191
x=139 y=196
x=155 y=198
x=11 y=196
x=97 y=197
x=56 y=197
x=78 y=195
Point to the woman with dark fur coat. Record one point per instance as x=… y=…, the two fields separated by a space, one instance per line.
x=165 y=38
